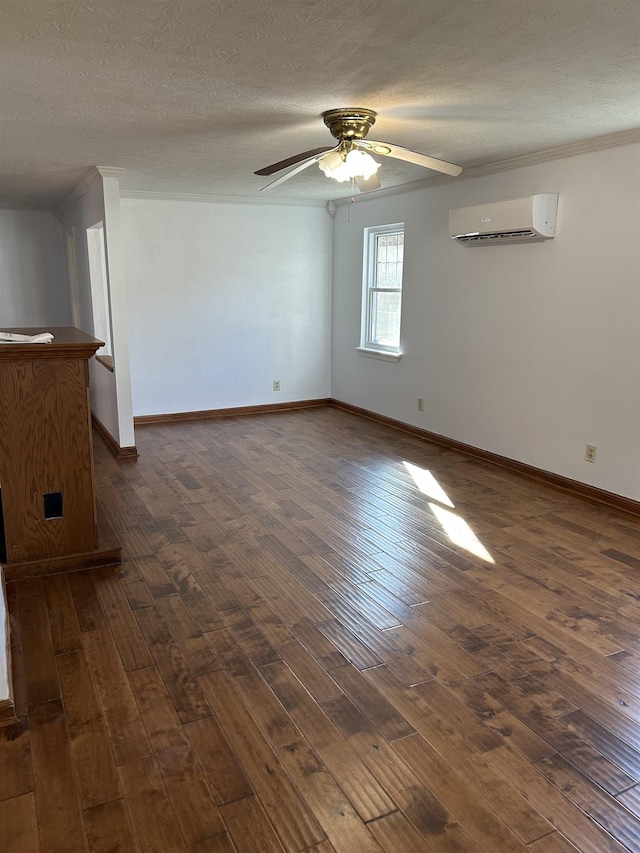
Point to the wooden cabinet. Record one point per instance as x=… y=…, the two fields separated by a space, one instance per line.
x=46 y=455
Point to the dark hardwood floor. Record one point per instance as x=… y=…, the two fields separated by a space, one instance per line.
x=329 y=636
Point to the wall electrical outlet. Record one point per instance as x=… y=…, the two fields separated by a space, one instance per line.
x=590 y=453
x=421 y=404
x=276 y=384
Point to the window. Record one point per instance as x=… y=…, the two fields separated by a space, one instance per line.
x=382 y=289
x=100 y=292
x=72 y=270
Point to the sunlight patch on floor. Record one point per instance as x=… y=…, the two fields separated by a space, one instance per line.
x=456 y=528
x=428 y=484
x=460 y=533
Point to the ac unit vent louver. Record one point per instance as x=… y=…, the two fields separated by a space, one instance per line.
x=519 y=220
x=512 y=235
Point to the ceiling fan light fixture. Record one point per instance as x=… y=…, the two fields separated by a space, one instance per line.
x=331 y=162
x=356 y=164
x=347 y=161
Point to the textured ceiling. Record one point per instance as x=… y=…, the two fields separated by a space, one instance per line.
x=191 y=96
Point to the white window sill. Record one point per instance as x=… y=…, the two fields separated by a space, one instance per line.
x=378 y=353
x=106 y=361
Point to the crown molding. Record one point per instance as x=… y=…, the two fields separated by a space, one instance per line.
x=8 y=205
x=110 y=171
x=95 y=174
x=219 y=199
x=586 y=146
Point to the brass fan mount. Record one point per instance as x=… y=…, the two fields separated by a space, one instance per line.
x=348 y=123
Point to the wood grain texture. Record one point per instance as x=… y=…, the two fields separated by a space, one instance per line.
x=37 y=651
x=192 y=800
x=250 y=828
x=221 y=843
x=16 y=768
x=295 y=822
x=109 y=828
x=154 y=820
x=90 y=748
x=335 y=813
x=295 y=656
x=395 y=834
x=46 y=446
x=362 y=788
x=19 y=824
x=57 y=801
x=127 y=734
x=63 y=619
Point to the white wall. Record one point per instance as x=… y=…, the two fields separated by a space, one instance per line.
x=223 y=299
x=528 y=351
x=33 y=274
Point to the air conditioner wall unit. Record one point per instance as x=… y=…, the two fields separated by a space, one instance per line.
x=520 y=220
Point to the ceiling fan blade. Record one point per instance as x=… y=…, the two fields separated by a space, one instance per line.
x=291 y=161
x=365 y=185
x=305 y=163
x=385 y=149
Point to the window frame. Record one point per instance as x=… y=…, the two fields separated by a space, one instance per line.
x=370 y=287
x=100 y=292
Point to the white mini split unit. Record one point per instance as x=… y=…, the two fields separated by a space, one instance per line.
x=520 y=220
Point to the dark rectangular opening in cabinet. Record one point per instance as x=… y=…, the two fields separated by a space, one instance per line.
x=53 y=505
x=3 y=541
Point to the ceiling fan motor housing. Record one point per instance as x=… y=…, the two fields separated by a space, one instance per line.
x=349 y=122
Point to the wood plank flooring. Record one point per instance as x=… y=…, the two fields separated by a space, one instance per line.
x=313 y=646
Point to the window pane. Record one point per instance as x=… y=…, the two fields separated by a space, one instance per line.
x=99 y=281
x=384 y=328
x=388 y=260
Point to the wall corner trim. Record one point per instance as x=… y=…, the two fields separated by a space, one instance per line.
x=95 y=174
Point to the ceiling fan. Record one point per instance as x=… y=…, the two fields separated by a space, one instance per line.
x=351 y=157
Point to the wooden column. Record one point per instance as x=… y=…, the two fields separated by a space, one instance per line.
x=46 y=456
